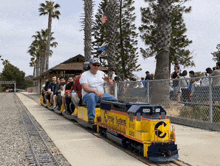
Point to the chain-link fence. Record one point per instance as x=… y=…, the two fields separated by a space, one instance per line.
x=196 y=98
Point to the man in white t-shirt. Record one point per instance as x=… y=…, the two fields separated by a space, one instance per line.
x=92 y=82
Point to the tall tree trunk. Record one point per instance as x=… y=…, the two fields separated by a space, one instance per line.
x=160 y=89
x=45 y=59
x=38 y=67
x=122 y=52
x=34 y=71
x=41 y=63
x=48 y=40
x=112 y=31
x=88 y=8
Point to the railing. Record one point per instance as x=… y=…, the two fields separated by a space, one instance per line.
x=197 y=98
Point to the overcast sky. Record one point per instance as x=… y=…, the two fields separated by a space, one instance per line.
x=19 y=20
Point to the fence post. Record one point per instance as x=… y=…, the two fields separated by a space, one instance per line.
x=116 y=90
x=148 y=92
x=210 y=100
x=15 y=87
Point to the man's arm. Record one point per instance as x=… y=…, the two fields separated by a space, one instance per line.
x=86 y=88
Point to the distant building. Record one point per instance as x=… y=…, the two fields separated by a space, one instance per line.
x=29 y=77
x=67 y=68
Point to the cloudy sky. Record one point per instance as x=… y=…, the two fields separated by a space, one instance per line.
x=19 y=20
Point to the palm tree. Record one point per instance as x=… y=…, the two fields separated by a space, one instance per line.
x=33 y=64
x=38 y=50
x=50 y=9
x=35 y=59
x=88 y=10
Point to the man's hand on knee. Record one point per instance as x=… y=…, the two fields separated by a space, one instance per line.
x=99 y=94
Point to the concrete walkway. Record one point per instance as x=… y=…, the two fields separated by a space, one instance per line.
x=196 y=147
x=77 y=145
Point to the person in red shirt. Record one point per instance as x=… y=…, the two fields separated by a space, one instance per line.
x=77 y=87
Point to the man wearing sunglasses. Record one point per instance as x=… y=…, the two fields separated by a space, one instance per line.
x=92 y=82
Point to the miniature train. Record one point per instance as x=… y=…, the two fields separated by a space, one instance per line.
x=141 y=127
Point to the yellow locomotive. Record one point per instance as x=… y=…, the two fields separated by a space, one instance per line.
x=140 y=127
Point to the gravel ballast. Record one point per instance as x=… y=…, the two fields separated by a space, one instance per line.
x=14 y=142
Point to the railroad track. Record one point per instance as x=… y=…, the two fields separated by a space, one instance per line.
x=39 y=153
x=140 y=158
x=135 y=155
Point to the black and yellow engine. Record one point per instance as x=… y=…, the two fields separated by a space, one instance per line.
x=141 y=127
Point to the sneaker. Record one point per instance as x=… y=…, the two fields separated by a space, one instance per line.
x=50 y=107
x=91 y=121
x=67 y=112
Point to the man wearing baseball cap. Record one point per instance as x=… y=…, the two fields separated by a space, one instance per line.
x=92 y=82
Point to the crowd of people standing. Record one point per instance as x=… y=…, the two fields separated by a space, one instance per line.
x=185 y=86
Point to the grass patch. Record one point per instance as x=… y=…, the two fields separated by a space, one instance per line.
x=201 y=113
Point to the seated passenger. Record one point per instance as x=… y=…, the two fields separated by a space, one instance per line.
x=62 y=88
x=51 y=89
x=68 y=91
x=76 y=94
x=56 y=88
x=77 y=87
x=44 y=90
x=59 y=90
x=92 y=82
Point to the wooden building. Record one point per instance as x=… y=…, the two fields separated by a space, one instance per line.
x=67 y=68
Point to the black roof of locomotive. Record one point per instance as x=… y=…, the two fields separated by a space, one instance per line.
x=131 y=107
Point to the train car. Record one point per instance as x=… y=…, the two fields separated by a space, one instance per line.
x=44 y=102
x=141 y=127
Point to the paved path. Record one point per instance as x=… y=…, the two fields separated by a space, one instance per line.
x=77 y=145
x=196 y=147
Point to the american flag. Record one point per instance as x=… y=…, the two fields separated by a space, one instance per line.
x=104 y=19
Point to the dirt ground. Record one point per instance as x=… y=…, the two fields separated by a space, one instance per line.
x=173 y=110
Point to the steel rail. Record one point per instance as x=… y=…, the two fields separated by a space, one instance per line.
x=50 y=158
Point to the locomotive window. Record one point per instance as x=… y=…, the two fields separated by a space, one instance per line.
x=146 y=110
x=138 y=116
x=157 y=110
x=131 y=117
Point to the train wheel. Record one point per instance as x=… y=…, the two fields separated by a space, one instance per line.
x=140 y=150
x=102 y=132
